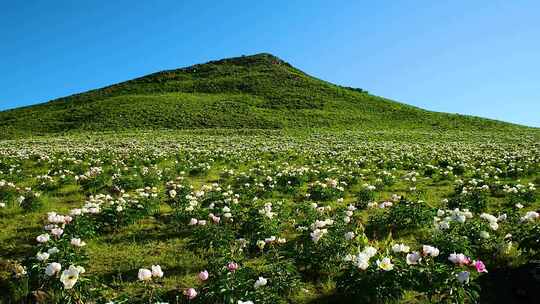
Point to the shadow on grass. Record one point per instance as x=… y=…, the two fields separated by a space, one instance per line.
x=159 y=227
x=20 y=245
x=520 y=285
x=339 y=299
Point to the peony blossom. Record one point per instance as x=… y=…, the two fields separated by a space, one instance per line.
x=190 y=293
x=480 y=267
x=43 y=238
x=70 y=276
x=459 y=259
x=362 y=261
x=413 y=258
x=349 y=235
x=52 y=269
x=370 y=251
x=385 y=264
x=400 y=248
x=260 y=282
x=430 y=250
x=42 y=256
x=232 y=266
x=317 y=234
x=57 y=232
x=156 y=271
x=77 y=242
x=530 y=216
x=144 y=274
x=19 y=271
x=203 y=275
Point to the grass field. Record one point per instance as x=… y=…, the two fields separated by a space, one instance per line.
x=273 y=216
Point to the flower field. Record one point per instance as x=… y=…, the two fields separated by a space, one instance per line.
x=267 y=217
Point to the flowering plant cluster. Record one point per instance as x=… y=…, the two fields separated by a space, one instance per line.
x=200 y=218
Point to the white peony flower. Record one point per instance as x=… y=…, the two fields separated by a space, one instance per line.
x=430 y=250
x=53 y=268
x=362 y=261
x=77 y=242
x=317 y=234
x=370 y=251
x=349 y=235
x=362 y=264
x=156 y=271
x=458 y=258
x=413 y=258
x=260 y=282
x=144 y=274
x=57 y=232
x=70 y=276
x=385 y=264
x=42 y=256
x=530 y=216
x=400 y=248
x=43 y=238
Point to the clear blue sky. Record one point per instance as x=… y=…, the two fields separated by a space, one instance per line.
x=472 y=57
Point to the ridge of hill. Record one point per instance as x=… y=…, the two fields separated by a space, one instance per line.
x=249 y=92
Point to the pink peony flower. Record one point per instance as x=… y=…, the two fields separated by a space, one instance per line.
x=480 y=267
x=190 y=293
x=57 y=232
x=203 y=275
x=215 y=219
x=232 y=266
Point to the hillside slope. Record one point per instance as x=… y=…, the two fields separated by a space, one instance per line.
x=259 y=91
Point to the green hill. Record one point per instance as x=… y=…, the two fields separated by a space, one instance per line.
x=259 y=92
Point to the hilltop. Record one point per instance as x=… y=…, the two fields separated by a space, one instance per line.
x=249 y=92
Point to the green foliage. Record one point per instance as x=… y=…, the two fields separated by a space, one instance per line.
x=403 y=215
x=474 y=200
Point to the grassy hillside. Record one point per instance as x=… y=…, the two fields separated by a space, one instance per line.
x=259 y=91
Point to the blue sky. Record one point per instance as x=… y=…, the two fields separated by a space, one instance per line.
x=471 y=57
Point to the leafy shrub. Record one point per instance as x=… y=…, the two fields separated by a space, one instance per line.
x=475 y=201
x=329 y=190
x=403 y=215
x=30 y=201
